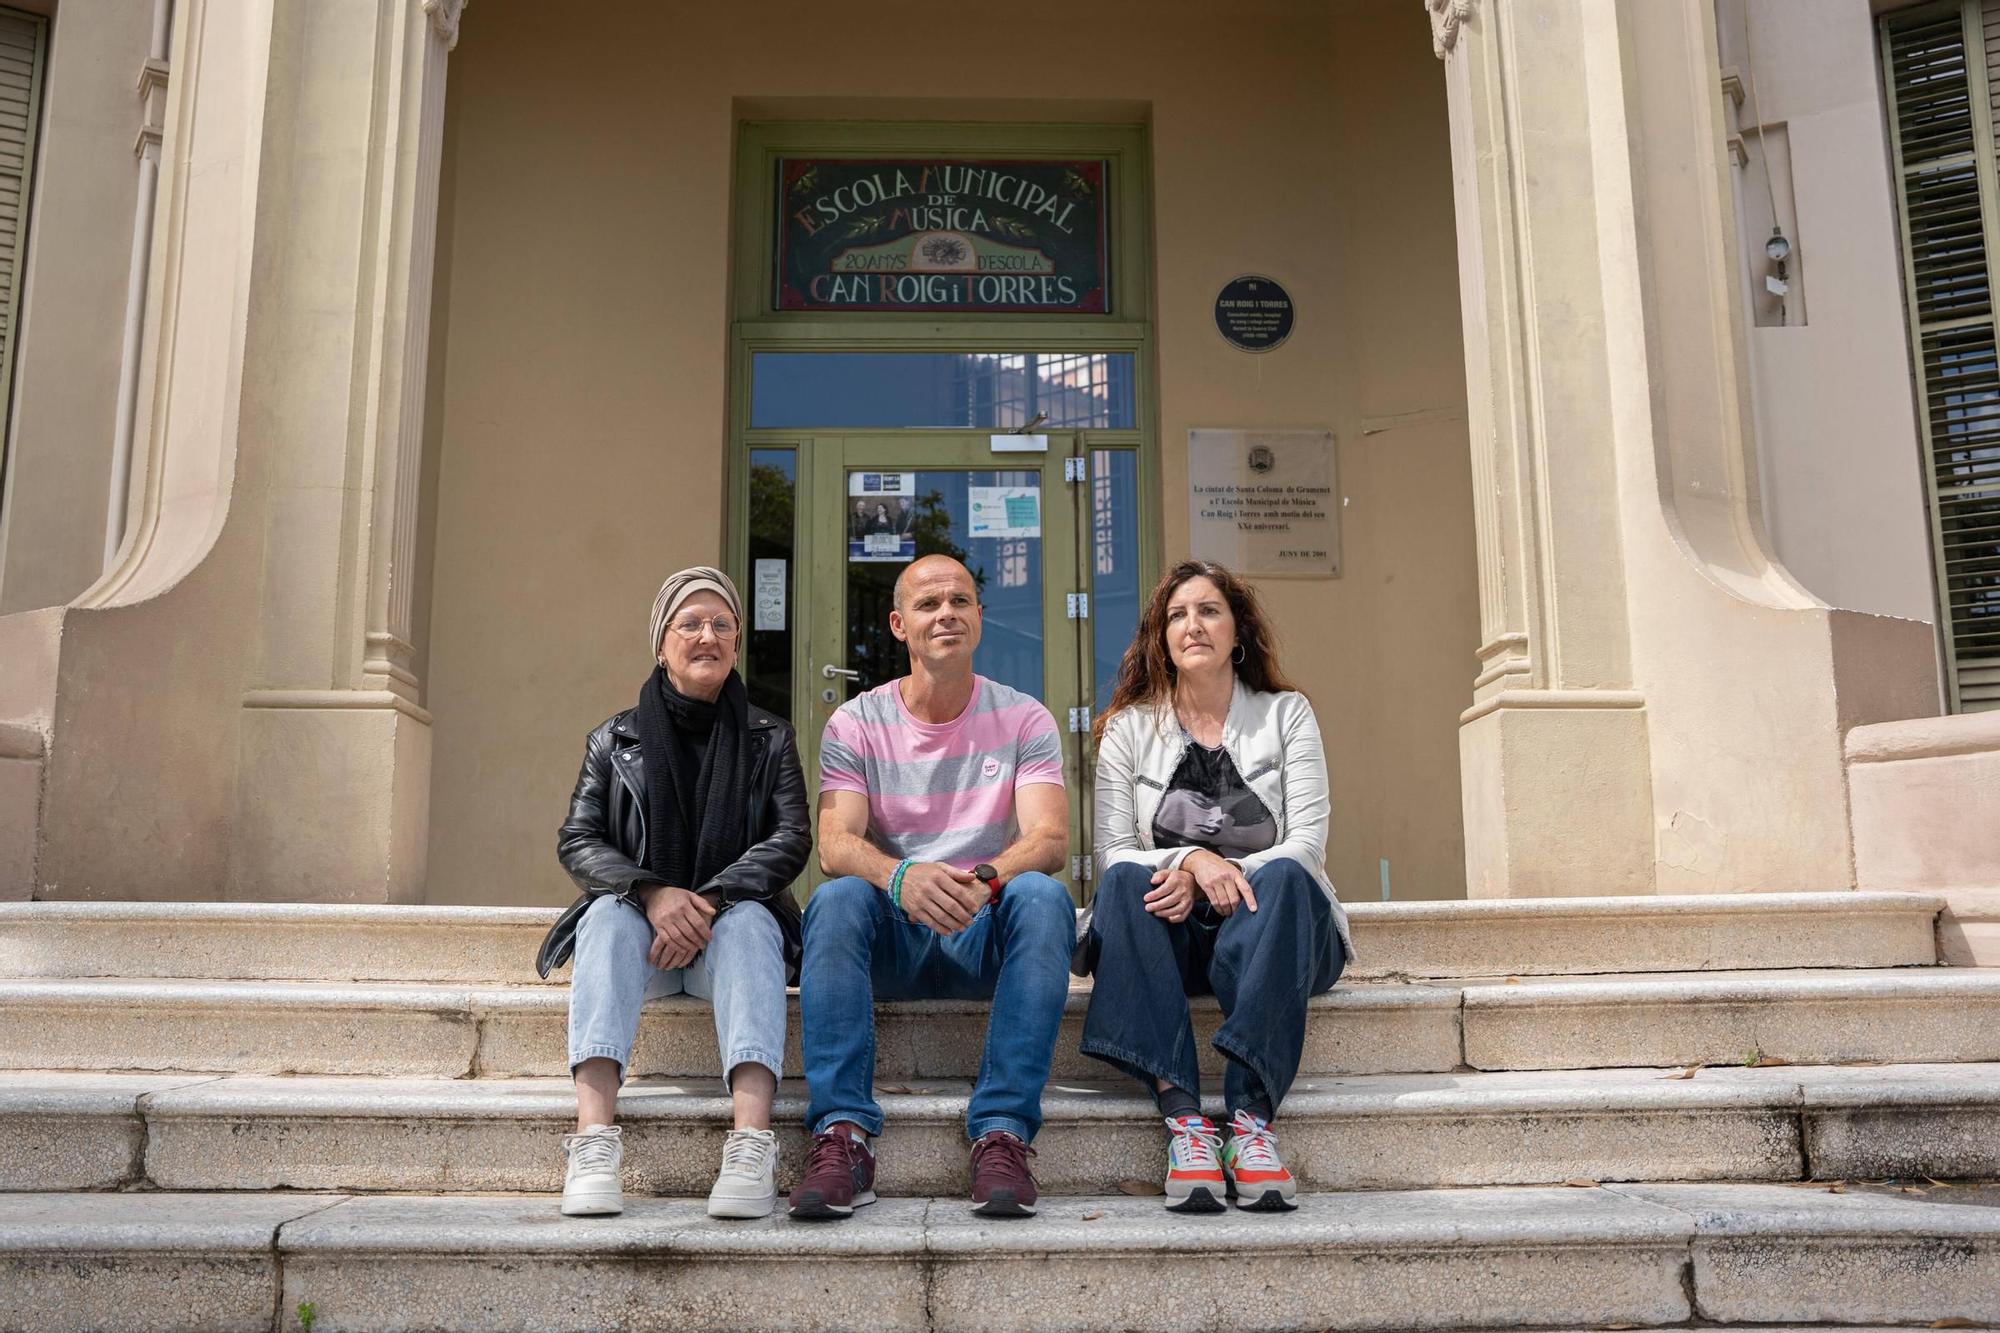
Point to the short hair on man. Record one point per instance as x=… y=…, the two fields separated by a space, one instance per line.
x=898 y=595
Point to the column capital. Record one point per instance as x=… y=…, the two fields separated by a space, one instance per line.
x=444 y=16
x=1446 y=18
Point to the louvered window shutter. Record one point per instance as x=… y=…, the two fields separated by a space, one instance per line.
x=1935 y=62
x=23 y=48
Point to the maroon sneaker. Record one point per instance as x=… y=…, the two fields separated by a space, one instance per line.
x=840 y=1177
x=1001 y=1183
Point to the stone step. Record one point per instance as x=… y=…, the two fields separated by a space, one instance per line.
x=485 y=946
x=1907 y=1016
x=453 y=1032
x=95 y=1131
x=1910 y=1015
x=1430 y=1259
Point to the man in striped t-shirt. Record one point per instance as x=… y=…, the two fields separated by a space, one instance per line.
x=922 y=781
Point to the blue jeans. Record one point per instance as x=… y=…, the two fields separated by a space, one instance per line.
x=859 y=948
x=1261 y=966
x=741 y=972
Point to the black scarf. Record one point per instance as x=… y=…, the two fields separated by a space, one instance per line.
x=695 y=821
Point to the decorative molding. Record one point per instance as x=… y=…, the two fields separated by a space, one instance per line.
x=444 y=16
x=1574 y=700
x=1732 y=84
x=153 y=74
x=1446 y=18
x=153 y=85
x=337 y=701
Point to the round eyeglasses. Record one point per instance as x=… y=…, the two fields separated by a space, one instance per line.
x=692 y=626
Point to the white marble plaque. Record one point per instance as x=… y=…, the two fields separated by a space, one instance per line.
x=1265 y=502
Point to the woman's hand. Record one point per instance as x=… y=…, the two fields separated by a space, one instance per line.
x=1172 y=897
x=680 y=925
x=1220 y=882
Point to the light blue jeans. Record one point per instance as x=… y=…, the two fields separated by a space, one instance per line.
x=741 y=973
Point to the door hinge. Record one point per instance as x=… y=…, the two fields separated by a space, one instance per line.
x=1076 y=469
x=1079 y=719
x=1079 y=606
x=1079 y=869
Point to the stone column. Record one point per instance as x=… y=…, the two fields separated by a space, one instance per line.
x=233 y=710
x=334 y=723
x=1659 y=706
x=1555 y=742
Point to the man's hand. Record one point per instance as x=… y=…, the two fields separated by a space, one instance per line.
x=941 y=896
x=1172 y=896
x=680 y=925
x=1220 y=882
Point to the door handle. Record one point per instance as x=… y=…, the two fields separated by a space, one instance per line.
x=832 y=672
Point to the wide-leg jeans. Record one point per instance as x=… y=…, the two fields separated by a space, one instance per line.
x=1261 y=967
x=860 y=947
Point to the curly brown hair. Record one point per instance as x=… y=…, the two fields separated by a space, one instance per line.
x=1146 y=675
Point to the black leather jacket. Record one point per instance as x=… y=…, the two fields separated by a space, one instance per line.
x=603 y=842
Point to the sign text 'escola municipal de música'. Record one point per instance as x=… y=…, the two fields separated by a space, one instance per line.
x=932 y=235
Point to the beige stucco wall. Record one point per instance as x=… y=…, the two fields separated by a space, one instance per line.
x=1834 y=406
x=581 y=445
x=73 y=303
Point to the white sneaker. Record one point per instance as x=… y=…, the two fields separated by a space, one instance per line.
x=591 y=1186
x=748 y=1184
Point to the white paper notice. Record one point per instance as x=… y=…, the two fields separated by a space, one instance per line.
x=770 y=594
x=1006 y=513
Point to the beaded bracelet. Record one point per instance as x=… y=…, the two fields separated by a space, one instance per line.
x=896 y=883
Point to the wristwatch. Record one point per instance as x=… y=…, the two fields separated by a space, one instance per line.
x=990 y=877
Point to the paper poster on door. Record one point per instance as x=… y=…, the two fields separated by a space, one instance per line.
x=1004 y=513
x=881 y=514
x=770 y=594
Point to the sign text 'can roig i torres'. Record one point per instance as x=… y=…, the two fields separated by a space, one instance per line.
x=1026 y=237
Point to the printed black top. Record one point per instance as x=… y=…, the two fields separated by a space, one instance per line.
x=1207 y=804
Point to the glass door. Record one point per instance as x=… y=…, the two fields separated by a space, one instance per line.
x=878 y=502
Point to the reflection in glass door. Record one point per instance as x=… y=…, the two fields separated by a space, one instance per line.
x=988 y=520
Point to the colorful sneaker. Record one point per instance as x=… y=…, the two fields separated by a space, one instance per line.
x=1001 y=1183
x=840 y=1177
x=1194 y=1171
x=748 y=1184
x=590 y=1185
x=1257 y=1177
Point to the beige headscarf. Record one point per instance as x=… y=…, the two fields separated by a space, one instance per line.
x=678 y=588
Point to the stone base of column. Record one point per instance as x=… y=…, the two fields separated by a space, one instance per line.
x=333 y=798
x=1925 y=796
x=1557 y=794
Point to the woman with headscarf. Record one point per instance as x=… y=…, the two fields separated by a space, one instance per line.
x=688 y=824
x=1211 y=842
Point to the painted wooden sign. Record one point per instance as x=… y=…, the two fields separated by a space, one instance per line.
x=935 y=234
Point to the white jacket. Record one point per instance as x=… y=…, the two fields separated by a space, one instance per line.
x=1274 y=741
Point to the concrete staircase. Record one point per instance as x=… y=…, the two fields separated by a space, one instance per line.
x=212 y=1116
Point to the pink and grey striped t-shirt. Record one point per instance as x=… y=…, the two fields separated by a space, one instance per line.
x=941 y=791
